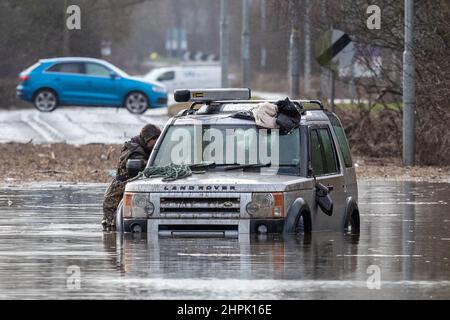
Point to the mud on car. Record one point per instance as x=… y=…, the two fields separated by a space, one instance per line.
x=312 y=187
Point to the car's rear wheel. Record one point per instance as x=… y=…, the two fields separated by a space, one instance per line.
x=45 y=100
x=136 y=102
x=352 y=223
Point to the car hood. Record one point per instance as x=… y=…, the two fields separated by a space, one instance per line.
x=231 y=181
x=144 y=80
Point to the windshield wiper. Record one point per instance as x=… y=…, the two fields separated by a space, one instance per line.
x=202 y=165
x=247 y=166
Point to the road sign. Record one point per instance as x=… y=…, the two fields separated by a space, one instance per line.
x=334 y=50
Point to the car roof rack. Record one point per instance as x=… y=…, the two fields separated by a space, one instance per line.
x=301 y=102
x=215 y=98
x=211 y=95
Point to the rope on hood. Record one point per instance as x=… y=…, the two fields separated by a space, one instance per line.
x=171 y=172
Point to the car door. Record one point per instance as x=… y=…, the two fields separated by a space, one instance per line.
x=67 y=79
x=343 y=146
x=327 y=170
x=189 y=79
x=101 y=85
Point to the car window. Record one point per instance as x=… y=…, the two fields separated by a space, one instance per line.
x=342 y=139
x=316 y=154
x=330 y=164
x=166 y=76
x=68 y=67
x=94 y=69
x=323 y=154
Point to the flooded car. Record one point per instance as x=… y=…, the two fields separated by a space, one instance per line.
x=255 y=179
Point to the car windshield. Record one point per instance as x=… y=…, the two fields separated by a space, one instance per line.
x=228 y=145
x=155 y=74
x=120 y=72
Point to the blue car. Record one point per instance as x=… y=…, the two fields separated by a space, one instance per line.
x=85 y=81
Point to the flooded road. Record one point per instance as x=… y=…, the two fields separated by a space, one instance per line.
x=52 y=247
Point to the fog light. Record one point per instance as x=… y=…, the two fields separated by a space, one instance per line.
x=136 y=228
x=262 y=229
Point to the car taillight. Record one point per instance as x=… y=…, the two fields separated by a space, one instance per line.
x=24 y=77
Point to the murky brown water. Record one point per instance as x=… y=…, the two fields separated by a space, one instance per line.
x=50 y=234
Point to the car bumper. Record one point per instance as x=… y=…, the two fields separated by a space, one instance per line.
x=159 y=101
x=201 y=226
x=129 y=224
x=273 y=225
x=24 y=93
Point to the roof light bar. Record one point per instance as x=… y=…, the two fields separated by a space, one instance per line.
x=209 y=95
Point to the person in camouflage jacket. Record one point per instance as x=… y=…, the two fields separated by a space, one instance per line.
x=138 y=147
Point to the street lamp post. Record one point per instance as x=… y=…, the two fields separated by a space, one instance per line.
x=245 y=45
x=307 y=67
x=294 y=52
x=409 y=92
x=224 y=42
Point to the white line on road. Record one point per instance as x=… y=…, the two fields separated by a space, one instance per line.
x=75 y=125
x=57 y=136
x=27 y=119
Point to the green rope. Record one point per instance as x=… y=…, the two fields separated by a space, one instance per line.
x=170 y=173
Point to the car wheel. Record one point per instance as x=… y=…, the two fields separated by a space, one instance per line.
x=45 y=100
x=119 y=217
x=136 y=102
x=303 y=224
x=352 y=223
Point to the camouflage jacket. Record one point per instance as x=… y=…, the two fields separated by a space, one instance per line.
x=131 y=150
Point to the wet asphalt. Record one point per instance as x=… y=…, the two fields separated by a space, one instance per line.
x=52 y=247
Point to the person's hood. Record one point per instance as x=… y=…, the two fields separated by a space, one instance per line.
x=137 y=142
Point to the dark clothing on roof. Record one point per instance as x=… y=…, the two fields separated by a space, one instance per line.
x=288 y=117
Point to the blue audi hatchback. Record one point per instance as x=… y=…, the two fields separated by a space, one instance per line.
x=87 y=82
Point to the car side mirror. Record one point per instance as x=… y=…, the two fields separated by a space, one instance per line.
x=134 y=166
x=323 y=198
x=113 y=75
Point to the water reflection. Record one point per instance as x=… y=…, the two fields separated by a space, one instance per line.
x=405 y=231
x=255 y=257
x=408 y=228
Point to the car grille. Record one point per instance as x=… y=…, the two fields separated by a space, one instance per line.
x=197 y=207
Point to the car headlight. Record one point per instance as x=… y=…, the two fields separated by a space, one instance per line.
x=137 y=205
x=159 y=89
x=266 y=205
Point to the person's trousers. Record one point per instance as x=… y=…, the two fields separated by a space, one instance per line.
x=113 y=196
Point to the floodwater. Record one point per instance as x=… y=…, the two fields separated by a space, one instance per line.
x=52 y=247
